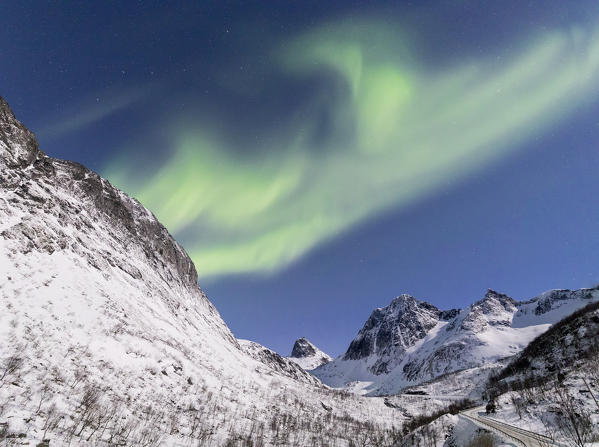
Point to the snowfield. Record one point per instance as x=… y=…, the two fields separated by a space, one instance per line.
x=106 y=338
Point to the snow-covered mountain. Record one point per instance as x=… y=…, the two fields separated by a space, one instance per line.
x=276 y=362
x=410 y=341
x=308 y=356
x=551 y=387
x=106 y=337
x=566 y=346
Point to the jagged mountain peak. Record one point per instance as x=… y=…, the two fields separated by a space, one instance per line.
x=391 y=330
x=56 y=208
x=499 y=297
x=494 y=309
x=401 y=308
x=403 y=300
x=307 y=355
x=406 y=302
x=303 y=348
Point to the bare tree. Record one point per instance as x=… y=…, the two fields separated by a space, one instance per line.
x=10 y=366
x=586 y=383
x=51 y=420
x=517 y=403
x=573 y=421
x=43 y=393
x=87 y=408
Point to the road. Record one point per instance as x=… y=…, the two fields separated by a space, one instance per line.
x=517 y=435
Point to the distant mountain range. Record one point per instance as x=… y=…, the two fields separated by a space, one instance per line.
x=411 y=341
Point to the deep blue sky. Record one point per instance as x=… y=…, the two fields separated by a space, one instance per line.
x=121 y=86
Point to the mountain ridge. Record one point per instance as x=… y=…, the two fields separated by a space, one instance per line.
x=106 y=337
x=411 y=341
x=139 y=221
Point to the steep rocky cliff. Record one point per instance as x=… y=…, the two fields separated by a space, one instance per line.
x=106 y=337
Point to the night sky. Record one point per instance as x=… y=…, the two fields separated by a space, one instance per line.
x=317 y=159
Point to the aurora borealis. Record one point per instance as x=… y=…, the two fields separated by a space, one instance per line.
x=398 y=132
x=316 y=159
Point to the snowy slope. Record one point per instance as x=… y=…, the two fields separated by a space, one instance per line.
x=554 y=381
x=308 y=356
x=410 y=341
x=105 y=336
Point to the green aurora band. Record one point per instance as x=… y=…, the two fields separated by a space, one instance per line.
x=411 y=131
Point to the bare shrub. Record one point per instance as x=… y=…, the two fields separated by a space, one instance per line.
x=51 y=420
x=483 y=439
x=573 y=420
x=9 y=367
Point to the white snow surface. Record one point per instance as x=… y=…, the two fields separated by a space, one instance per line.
x=540 y=415
x=307 y=364
x=110 y=338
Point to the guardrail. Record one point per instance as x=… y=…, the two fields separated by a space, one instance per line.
x=530 y=434
x=502 y=427
x=476 y=420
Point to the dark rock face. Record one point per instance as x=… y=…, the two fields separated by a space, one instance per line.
x=390 y=331
x=19 y=146
x=308 y=356
x=448 y=315
x=303 y=348
x=547 y=301
x=23 y=167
